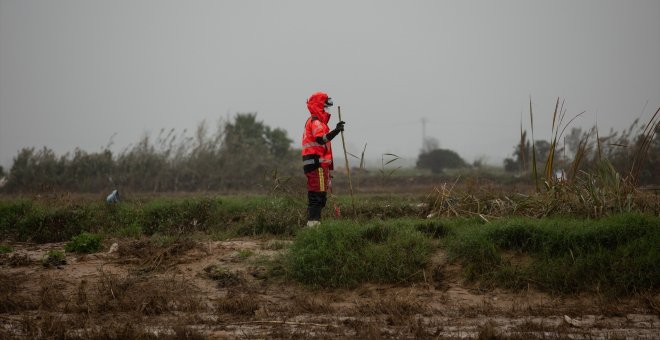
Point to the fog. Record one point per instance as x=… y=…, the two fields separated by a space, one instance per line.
x=75 y=73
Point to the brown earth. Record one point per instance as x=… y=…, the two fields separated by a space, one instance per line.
x=230 y=289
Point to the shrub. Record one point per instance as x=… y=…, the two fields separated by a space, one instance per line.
x=439 y=159
x=343 y=254
x=84 y=243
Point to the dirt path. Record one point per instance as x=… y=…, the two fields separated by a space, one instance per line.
x=228 y=289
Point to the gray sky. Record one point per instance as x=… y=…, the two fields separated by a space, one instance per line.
x=73 y=73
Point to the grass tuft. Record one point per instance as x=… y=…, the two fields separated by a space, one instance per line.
x=5 y=249
x=344 y=254
x=85 y=243
x=54 y=258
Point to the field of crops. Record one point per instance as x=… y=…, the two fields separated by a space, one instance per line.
x=451 y=263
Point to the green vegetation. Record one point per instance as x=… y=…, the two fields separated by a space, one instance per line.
x=25 y=220
x=274 y=245
x=5 y=249
x=133 y=230
x=347 y=253
x=54 y=258
x=245 y=253
x=618 y=254
x=439 y=159
x=237 y=155
x=86 y=243
x=503 y=244
x=160 y=240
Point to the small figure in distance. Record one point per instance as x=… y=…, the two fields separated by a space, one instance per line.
x=113 y=197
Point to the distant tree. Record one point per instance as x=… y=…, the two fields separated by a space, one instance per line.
x=36 y=170
x=439 y=159
x=141 y=167
x=278 y=142
x=479 y=162
x=429 y=144
x=251 y=149
x=2 y=172
x=88 y=171
x=521 y=155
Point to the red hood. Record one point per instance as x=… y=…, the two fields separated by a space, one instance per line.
x=315 y=104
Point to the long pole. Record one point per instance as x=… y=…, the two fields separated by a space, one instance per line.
x=348 y=169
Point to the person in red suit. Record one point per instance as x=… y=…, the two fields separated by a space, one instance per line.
x=317 y=154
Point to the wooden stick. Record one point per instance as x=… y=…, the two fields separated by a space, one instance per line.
x=278 y=323
x=348 y=169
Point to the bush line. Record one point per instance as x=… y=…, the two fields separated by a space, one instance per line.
x=617 y=255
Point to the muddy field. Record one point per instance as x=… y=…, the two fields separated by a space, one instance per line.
x=231 y=289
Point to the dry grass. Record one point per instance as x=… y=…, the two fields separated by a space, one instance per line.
x=12 y=295
x=45 y=325
x=238 y=304
x=581 y=199
x=397 y=305
x=152 y=257
x=18 y=260
x=143 y=295
x=224 y=277
x=401 y=313
x=653 y=301
x=364 y=329
x=82 y=312
x=52 y=295
x=311 y=303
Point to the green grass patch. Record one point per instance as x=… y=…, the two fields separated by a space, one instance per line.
x=27 y=221
x=5 y=249
x=245 y=253
x=54 y=258
x=58 y=221
x=85 y=243
x=619 y=255
x=161 y=240
x=133 y=230
x=344 y=254
x=274 y=245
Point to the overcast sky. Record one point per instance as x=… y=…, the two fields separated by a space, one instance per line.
x=73 y=73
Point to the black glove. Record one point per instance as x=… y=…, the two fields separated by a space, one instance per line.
x=340 y=126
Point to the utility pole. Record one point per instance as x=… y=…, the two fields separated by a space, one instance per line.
x=423 y=132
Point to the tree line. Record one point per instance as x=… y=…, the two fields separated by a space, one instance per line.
x=245 y=154
x=237 y=155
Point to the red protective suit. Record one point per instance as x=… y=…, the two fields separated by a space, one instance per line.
x=316 y=154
